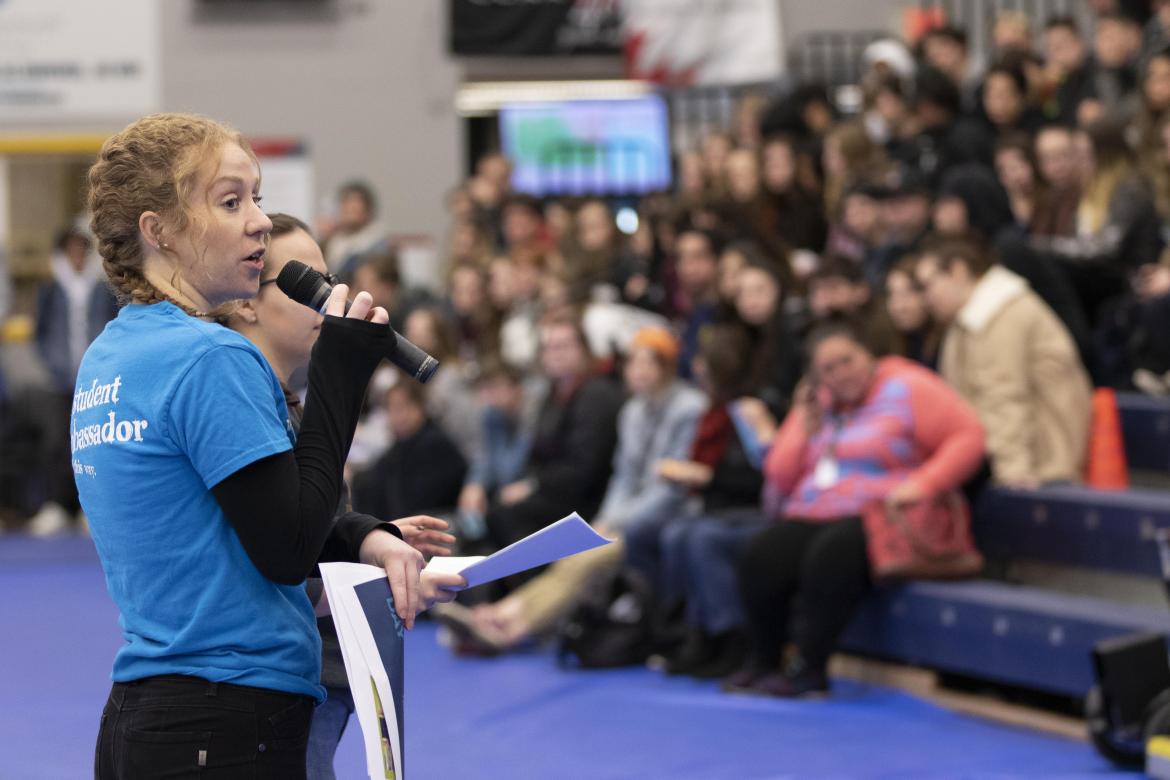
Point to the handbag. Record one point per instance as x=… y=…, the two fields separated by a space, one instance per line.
x=612 y=628
x=929 y=539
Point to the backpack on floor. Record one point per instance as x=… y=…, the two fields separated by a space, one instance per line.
x=613 y=627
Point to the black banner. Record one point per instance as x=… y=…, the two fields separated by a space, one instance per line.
x=535 y=28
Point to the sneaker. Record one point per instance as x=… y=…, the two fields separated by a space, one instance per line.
x=731 y=654
x=741 y=681
x=810 y=683
x=467 y=639
x=696 y=651
x=50 y=520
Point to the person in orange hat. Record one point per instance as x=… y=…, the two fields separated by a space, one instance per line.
x=657 y=423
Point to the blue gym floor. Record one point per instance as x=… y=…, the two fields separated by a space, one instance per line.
x=517 y=717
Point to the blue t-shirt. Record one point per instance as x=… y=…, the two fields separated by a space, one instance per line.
x=166 y=407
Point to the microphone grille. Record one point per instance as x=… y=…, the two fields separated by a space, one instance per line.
x=299 y=282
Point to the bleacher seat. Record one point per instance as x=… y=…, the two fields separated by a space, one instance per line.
x=1010 y=634
x=1023 y=635
x=1145 y=427
x=1075 y=526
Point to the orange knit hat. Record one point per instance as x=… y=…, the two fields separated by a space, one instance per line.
x=661 y=340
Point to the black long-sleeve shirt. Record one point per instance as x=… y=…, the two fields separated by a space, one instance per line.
x=283 y=507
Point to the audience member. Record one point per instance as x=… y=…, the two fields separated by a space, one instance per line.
x=395 y=486
x=569 y=462
x=774 y=361
x=379 y=269
x=1068 y=68
x=837 y=288
x=697 y=267
x=866 y=436
x=1015 y=168
x=508 y=409
x=1006 y=100
x=72 y=309
x=796 y=213
x=657 y=423
x=1012 y=359
x=450 y=399
x=918 y=336
x=1057 y=162
x=1116 y=224
x=356 y=230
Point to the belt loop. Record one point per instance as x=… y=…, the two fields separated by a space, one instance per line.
x=212 y=689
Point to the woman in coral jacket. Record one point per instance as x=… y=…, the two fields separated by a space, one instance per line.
x=863 y=433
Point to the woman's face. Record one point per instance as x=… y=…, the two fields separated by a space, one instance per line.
x=757 y=296
x=950 y=216
x=465 y=240
x=1156 y=87
x=1002 y=100
x=220 y=253
x=353 y=213
x=844 y=368
x=421 y=328
x=905 y=302
x=562 y=355
x=404 y=416
x=715 y=150
x=467 y=290
x=743 y=175
x=554 y=292
x=691 y=177
x=289 y=327
x=892 y=107
x=779 y=166
x=559 y=221
x=860 y=214
x=1014 y=171
x=730 y=263
x=595 y=228
x=643 y=373
x=502 y=283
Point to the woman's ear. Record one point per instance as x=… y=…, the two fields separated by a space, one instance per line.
x=151 y=229
x=246 y=311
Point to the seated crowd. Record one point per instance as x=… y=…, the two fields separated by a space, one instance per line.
x=833 y=327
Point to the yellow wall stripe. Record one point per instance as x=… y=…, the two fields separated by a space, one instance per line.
x=81 y=143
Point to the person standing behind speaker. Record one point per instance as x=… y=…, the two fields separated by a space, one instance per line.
x=285 y=332
x=72 y=309
x=206 y=516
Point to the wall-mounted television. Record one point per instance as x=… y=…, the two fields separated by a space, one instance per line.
x=588 y=147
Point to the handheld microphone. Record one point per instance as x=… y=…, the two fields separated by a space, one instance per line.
x=306 y=286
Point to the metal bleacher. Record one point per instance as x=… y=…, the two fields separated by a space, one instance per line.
x=1028 y=636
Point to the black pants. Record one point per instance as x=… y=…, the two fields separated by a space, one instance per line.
x=807 y=575
x=173 y=726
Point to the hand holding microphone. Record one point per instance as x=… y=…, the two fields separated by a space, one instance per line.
x=362 y=307
x=309 y=287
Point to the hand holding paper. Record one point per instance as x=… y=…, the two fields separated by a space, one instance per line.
x=371 y=636
x=567 y=536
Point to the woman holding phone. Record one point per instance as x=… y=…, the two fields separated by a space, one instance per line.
x=862 y=431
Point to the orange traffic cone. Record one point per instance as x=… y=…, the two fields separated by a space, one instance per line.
x=1106 y=467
